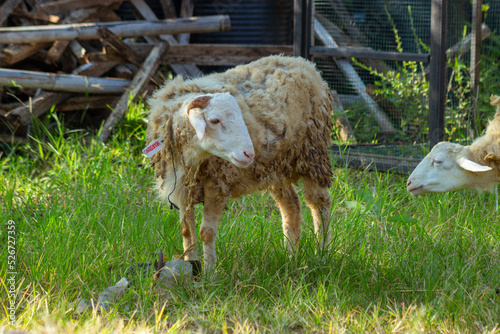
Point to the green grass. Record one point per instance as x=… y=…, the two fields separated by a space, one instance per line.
x=396 y=263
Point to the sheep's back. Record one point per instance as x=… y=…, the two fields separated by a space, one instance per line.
x=287 y=109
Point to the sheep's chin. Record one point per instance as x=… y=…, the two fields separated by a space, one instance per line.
x=239 y=163
x=415 y=191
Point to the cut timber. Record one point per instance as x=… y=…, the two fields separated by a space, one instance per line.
x=68 y=5
x=44 y=101
x=187 y=9
x=355 y=80
x=222 y=54
x=145 y=11
x=204 y=54
x=7 y=8
x=57 y=49
x=37 y=106
x=119 y=46
x=38 y=34
x=87 y=102
x=16 y=52
x=140 y=80
x=77 y=50
x=62 y=82
x=168 y=8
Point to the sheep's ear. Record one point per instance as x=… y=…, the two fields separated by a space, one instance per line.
x=472 y=166
x=198 y=122
x=196 y=116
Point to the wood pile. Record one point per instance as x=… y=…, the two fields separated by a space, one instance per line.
x=81 y=57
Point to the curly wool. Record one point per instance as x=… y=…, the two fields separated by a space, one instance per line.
x=287 y=109
x=486 y=149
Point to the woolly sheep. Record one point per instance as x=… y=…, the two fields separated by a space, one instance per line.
x=256 y=127
x=451 y=167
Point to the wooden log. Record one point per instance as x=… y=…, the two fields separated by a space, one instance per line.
x=69 y=5
x=39 y=34
x=145 y=11
x=37 y=106
x=222 y=54
x=78 y=51
x=119 y=46
x=42 y=103
x=123 y=71
x=62 y=82
x=95 y=69
x=16 y=52
x=354 y=80
x=87 y=102
x=203 y=54
x=187 y=9
x=39 y=17
x=7 y=8
x=140 y=80
x=80 y=15
x=168 y=8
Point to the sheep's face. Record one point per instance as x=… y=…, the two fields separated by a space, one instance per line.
x=220 y=128
x=444 y=169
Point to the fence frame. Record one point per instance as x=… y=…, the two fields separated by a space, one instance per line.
x=303 y=32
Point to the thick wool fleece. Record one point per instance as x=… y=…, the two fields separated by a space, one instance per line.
x=485 y=150
x=287 y=109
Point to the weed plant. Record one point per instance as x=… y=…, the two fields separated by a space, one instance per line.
x=396 y=263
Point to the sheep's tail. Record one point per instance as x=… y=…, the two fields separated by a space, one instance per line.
x=495 y=101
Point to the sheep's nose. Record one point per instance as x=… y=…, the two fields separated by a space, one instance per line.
x=249 y=154
x=408 y=183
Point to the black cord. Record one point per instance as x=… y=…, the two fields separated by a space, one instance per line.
x=172 y=205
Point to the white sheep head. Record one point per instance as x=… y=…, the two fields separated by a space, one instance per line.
x=220 y=129
x=447 y=168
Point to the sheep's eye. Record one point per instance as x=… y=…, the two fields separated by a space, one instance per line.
x=214 y=121
x=437 y=163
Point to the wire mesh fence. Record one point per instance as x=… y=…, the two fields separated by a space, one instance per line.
x=400 y=89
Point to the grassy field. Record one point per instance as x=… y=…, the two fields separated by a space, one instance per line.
x=396 y=263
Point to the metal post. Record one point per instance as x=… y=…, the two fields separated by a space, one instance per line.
x=437 y=84
x=475 y=64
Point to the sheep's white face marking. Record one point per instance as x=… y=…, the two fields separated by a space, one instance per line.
x=220 y=128
x=443 y=170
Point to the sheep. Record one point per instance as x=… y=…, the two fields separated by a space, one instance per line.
x=262 y=126
x=450 y=167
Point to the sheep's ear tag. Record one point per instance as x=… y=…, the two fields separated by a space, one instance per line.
x=472 y=166
x=154 y=147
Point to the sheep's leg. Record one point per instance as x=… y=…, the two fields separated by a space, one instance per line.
x=320 y=203
x=188 y=234
x=213 y=209
x=288 y=201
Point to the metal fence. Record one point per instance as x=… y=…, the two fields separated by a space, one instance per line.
x=383 y=83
